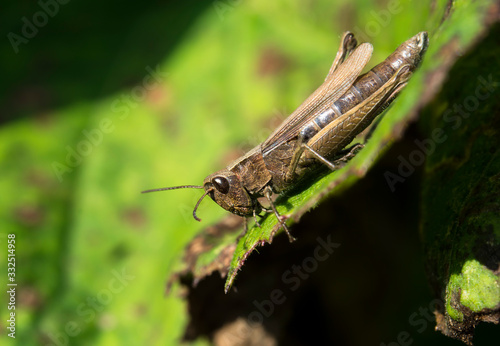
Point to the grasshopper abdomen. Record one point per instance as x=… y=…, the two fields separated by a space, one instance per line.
x=366 y=84
x=330 y=131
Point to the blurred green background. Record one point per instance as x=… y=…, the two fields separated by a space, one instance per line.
x=100 y=100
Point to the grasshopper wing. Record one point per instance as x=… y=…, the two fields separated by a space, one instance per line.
x=336 y=84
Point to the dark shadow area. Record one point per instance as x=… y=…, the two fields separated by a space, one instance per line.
x=66 y=52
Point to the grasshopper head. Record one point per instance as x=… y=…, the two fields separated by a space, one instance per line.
x=226 y=189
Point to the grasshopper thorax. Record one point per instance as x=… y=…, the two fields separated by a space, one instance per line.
x=227 y=190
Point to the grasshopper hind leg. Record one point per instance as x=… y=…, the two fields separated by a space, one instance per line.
x=325 y=127
x=301 y=145
x=344 y=156
x=347 y=44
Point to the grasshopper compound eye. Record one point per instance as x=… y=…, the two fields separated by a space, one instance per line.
x=221 y=184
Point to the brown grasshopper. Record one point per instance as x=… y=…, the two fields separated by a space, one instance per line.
x=317 y=131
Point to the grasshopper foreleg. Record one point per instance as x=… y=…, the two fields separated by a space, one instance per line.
x=268 y=194
x=255 y=218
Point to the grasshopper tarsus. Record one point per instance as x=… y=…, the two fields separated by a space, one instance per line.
x=255 y=219
x=291 y=239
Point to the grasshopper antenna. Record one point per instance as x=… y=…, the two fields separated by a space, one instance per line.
x=174 y=188
x=184 y=187
x=198 y=204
